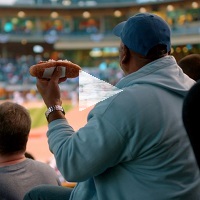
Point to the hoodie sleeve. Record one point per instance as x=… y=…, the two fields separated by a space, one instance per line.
x=87 y=152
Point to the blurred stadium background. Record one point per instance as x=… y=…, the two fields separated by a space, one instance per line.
x=80 y=31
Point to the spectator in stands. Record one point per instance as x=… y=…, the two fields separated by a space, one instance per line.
x=191 y=110
x=190 y=65
x=18 y=174
x=29 y=155
x=134 y=145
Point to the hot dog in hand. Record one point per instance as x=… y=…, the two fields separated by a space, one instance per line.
x=44 y=69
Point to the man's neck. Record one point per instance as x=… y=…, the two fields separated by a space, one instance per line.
x=11 y=159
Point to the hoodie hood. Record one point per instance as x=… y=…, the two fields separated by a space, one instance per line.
x=163 y=73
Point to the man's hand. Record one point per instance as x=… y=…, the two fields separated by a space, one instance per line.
x=49 y=89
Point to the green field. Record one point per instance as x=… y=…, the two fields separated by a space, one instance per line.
x=38 y=115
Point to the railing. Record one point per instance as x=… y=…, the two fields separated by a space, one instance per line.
x=81 y=3
x=34 y=35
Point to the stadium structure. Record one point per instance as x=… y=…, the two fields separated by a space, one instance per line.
x=81 y=31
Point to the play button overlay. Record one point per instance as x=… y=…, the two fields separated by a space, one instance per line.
x=93 y=90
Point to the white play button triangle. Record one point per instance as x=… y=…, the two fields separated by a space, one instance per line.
x=93 y=90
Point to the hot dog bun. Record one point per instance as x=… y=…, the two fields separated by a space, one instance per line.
x=44 y=69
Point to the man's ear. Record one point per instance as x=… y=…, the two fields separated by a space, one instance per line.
x=126 y=55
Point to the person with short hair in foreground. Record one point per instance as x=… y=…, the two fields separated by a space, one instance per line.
x=19 y=174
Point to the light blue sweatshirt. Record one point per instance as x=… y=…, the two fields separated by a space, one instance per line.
x=134 y=146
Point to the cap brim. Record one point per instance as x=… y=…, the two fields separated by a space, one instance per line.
x=118 y=28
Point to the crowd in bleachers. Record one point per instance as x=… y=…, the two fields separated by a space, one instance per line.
x=14 y=73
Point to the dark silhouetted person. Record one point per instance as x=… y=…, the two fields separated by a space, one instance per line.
x=191 y=118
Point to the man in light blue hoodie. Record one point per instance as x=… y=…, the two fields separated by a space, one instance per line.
x=134 y=145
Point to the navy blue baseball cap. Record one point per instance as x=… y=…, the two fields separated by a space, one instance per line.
x=143 y=31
